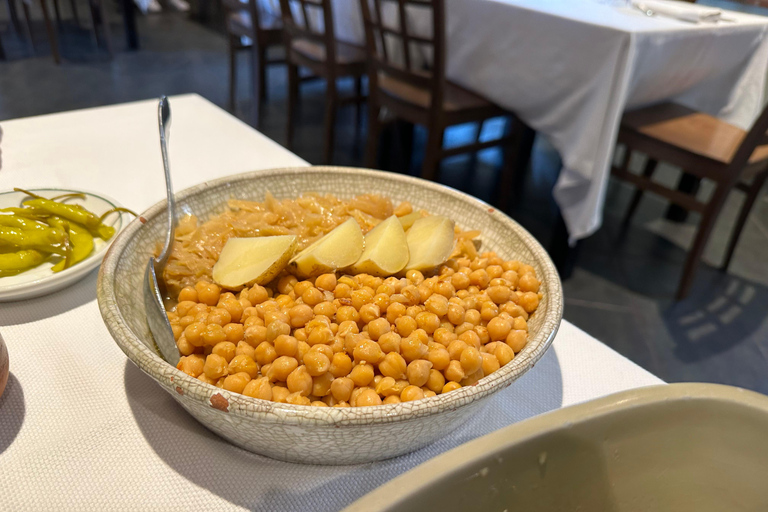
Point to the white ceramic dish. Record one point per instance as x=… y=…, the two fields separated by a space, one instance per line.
x=320 y=435
x=41 y=280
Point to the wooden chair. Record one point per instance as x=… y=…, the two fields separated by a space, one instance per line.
x=265 y=32
x=705 y=147
x=311 y=43
x=419 y=94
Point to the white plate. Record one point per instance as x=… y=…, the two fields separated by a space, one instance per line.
x=41 y=280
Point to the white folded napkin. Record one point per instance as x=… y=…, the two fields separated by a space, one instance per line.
x=678 y=10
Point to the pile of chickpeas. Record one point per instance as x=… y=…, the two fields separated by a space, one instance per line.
x=355 y=341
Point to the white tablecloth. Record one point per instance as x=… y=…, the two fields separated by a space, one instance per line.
x=81 y=428
x=569 y=68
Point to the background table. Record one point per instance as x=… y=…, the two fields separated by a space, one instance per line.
x=81 y=428
x=570 y=68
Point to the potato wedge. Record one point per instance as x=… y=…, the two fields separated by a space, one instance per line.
x=430 y=242
x=386 y=250
x=249 y=261
x=338 y=249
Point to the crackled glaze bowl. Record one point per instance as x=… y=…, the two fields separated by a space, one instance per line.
x=312 y=434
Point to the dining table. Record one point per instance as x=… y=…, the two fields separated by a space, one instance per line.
x=83 y=428
x=569 y=69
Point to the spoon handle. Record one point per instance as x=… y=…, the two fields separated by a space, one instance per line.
x=164 y=122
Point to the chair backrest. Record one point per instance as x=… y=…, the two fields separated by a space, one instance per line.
x=310 y=20
x=756 y=136
x=393 y=48
x=252 y=9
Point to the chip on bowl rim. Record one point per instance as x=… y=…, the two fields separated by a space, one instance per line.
x=234 y=403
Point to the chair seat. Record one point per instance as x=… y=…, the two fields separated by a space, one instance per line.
x=690 y=130
x=456 y=98
x=240 y=23
x=345 y=53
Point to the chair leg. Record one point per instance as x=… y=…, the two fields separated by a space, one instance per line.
x=749 y=201
x=262 y=73
x=648 y=170
x=75 y=15
x=2 y=50
x=512 y=148
x=331 y=100
x=702 y=236
x=432 y=152
x=232 y=48
x=255 y=83
x=358 y=103
x=28 y=24
x=293 y=101
x=14 y=15
x=53 y=37
x=57 y=12
x=94 y=24
x=105 y=30
x=374 y=132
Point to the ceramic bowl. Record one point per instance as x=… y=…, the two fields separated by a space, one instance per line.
x=671 y=448
x=309 y=434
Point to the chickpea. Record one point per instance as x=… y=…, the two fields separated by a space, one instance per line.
x=428 y=321
x=188 y=294
x=280 y=394
x=454 y=372
x=312 y=296
x=244 y=349
x=265 y=353
x=490 y=363
x=318 y=403
x=445 y=289
x=185 y=347
x=405 y=325
x=297 y=399
x=378 y=328
x=503 y=353
x=319 y=335
x=258 y=388
x=218 y=316
x=472 y=378
x=225 y=349
x=362 y=374
x=390 y=342
x=342 y=291
x=325 y=308
x=207 y=293
x=370 y=312
x=456 y=348
x=439 y=357
x=286 y=283
x=300 y=381
x=386 y=386
x=517 y=340
x=393 y=366
x=450 y=386
x=215 y=366
x=471 y=360
x=317 y=363
x=418 y=372
x=341 y=388
x=499 y=294
x=498 y=328
x=244 y=364
x=326 y=282
x=382 y=301
x=301 y=351
x=443 y=336
x=213 y=334
x=482 y=334
x=323 y=349
x=529 y=302
x=194 y=334
x=299 y=315
x=348 y=327
x=281 y=368
x=367 y=398
x=394 y=311
x=184 y=321
x=489 y=311
x=460 y=280
x=360 y=298
x=412 y=348
x=192 y=365
x=286 y=345
x=345 y=313
x=472 y=316
x=237 y=382
x=321 y=384
x=415 y=277
x=234 y=332
x=204 y=378
x=368 y=351
x=411 y=393
x=341 y=365
x=455 y=313
x=391 y=399
x=435 y=381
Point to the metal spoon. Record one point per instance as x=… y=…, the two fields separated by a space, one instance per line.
x=153 y=290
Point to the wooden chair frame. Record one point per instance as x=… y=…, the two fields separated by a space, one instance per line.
x=431 y=82
x=329 y=67
x=726 y=177
x=262 y=39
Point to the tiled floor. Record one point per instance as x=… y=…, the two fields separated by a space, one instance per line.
x=625 y=279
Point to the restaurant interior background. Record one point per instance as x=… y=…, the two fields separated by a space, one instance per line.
x=623 y=286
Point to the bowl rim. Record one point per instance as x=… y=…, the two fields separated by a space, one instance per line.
x=240 y=405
